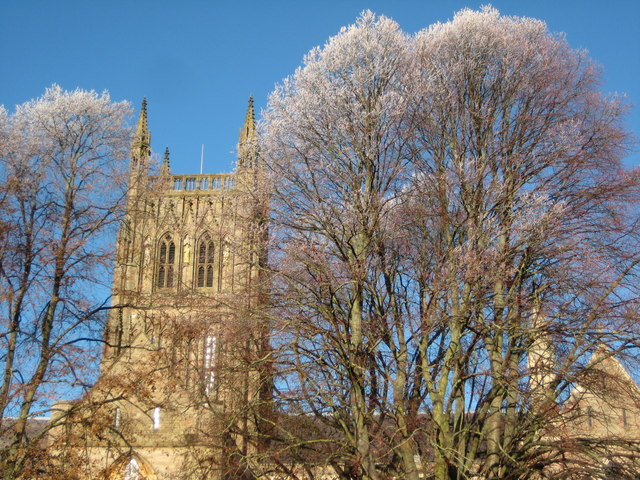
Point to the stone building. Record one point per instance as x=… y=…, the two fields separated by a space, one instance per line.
x=186 y=286
x=603 y=411
x=185 y=347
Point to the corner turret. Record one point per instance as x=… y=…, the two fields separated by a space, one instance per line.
x=165 y=170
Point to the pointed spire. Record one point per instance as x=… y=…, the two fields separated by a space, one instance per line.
x=143 y=127
x=165 y=163
x=247 y=147
x=141 y=144
x=249 y=129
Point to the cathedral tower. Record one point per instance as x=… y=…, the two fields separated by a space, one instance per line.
x=181 y=337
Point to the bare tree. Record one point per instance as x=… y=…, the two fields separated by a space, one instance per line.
x=453 y=237
x=528 y=230
x=340 y=152
x=62 y=163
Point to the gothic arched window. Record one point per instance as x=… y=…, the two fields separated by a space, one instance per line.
x=204 y=266
x=166 y=262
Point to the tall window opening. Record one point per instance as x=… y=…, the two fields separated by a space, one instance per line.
x=206 y=255
x=119 y=330
x=117 y=418
x=210 y=351
x=156 y=418
x=166 y=262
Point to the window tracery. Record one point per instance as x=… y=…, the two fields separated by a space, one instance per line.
x=204 y=267
x=166 y=262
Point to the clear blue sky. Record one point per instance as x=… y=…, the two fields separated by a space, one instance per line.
x=197 y=61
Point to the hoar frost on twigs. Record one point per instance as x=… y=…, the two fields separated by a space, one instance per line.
x=447 y=209
x=63 y=160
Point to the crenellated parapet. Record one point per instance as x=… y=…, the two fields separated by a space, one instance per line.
x=193 y=184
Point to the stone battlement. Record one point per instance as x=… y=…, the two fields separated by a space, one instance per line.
x=181 y=184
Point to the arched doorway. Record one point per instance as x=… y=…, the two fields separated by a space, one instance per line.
x=131 y=466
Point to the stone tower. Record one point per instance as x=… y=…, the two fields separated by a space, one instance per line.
x=182 y=342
